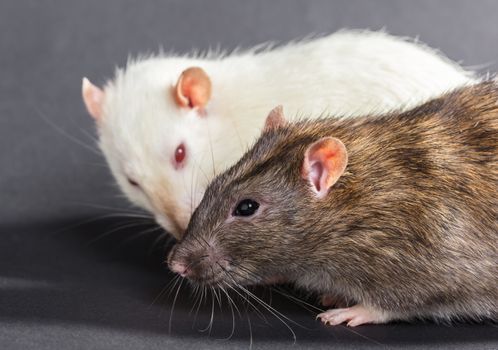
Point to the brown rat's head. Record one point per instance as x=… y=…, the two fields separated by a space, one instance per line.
x=254 y=218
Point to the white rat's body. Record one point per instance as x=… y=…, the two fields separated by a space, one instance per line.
x=347 y=73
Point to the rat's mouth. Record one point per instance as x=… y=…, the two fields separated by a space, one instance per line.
x=205 y=264
x=215 y=281
x=204 y=274
x=223 y=277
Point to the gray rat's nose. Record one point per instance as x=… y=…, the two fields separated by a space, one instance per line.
x=178 y=262
x=204 y=265
x=179 y=268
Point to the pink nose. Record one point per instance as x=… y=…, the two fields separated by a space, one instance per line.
x=179 y=268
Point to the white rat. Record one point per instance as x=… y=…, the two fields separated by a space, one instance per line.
x=167 y=125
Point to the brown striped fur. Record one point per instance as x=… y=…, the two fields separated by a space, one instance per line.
x=411 y=228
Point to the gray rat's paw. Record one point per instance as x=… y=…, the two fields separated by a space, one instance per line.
x=354 y=316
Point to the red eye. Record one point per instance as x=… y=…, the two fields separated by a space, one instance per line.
x=180 y=154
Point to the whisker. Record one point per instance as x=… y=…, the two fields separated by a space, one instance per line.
x=276 y=313
x=250 y=330
x=195 y=295
x=230 y=300
x=256 y=309
x=361 y=335
x=164 y=235
x=201 y=299
x=210 y=324
x=131 y=211
x=140 y=234
x=234 y=127
x=233 y=313
x=269 y=308
x=212 y=152
x=173 y=306
x=105 y=234
x=306 y=305
x=309 y=305
x=217 y=297
x=90 y=136
x=63 y=132
x=303 y=303
x=164 y=290
x=88 y=221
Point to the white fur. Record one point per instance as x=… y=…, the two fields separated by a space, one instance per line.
x=348 y=73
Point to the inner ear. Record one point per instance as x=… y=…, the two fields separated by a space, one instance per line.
x=193 y=88
x=324 y=163
x=93 y=97
x=315 y=175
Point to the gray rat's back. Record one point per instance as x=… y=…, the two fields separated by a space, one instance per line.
x=422 y=188
x=408 y=228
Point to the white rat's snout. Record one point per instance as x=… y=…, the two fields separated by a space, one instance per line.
x=176 y=230
x=161 y=220
x=175 y=225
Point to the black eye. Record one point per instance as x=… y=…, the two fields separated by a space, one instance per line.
x=246 y=207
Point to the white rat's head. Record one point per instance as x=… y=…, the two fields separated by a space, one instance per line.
x=157 y=134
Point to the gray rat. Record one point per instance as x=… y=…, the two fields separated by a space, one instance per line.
x=396 y=213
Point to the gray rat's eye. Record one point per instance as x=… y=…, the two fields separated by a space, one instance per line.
x=246 y=207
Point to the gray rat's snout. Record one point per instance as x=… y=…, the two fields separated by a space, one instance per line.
x=204 y=264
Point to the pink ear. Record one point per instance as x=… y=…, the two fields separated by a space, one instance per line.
x=275 y=119
x=93 y=98
x=193 y=88
x=324 y=163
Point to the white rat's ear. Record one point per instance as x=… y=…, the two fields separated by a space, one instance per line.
x=275 y=119
x=324 y=163
x=93 y=97
x=193 y=88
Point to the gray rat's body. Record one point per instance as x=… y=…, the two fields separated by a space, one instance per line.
x=408 y=228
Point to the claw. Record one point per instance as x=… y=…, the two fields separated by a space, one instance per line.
x=354 y=316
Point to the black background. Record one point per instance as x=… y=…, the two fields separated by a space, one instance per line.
x=60 y=286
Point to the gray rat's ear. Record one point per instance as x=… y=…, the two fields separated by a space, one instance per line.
x=324 y=163
x=193 y=88
x=275 y=119
x=93 y=97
